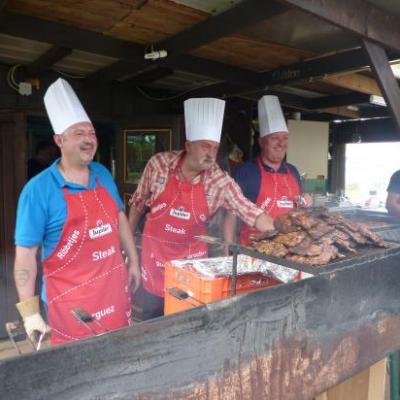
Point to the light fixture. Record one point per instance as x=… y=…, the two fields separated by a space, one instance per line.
x=152 y=54
x=377 y=100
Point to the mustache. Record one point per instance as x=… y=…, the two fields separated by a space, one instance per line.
x=207 y=160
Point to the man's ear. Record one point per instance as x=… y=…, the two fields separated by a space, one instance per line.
x=58 y=140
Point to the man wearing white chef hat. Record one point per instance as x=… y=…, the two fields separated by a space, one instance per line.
x=269 y=181
x=183 y=189
x=72 y=210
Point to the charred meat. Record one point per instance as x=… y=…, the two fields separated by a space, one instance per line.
x=315 y=237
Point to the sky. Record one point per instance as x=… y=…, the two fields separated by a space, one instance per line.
x=369 y=167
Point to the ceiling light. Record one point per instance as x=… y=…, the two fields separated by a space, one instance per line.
x=377 y=100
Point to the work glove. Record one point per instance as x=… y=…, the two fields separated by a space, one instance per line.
x=33 y=321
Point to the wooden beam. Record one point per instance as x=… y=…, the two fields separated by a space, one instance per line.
x=75 y=38
x=338 y=101
x=356 y=16
x=289 y=342
x=216 y=70
x=71 y=37
x=351 y=60
x=48 y=59
x=3 y=12
x=233 y=20
x=356 y=82
x=341 y=111
x=386 y=79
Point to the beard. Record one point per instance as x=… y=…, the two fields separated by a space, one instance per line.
x=207 y=162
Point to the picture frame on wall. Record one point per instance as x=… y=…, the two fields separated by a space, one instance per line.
x=139 y=146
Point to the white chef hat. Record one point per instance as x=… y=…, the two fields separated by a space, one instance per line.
x=270 y=116
x=204 y=118
x=63 y=106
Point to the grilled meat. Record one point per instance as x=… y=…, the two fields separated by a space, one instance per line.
x=285 y=224
x=315 y=237
x=290 y=239
x=265 y=235
x=320 y=229
x=307 y=248
x=303 y=219
x=356 y=236
x=328 y=253
x=373 y=237
x=270 y=248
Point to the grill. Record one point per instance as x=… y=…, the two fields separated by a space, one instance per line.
x=388 y=227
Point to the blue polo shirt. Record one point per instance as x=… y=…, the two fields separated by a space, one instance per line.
x=248 y=177
x=42 y=209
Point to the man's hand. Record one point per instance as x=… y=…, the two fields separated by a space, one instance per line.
x=264 y=222
x=33 y=321
x=304 y=200
x=133 y=276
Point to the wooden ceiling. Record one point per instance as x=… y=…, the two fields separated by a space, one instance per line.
x=254 y=47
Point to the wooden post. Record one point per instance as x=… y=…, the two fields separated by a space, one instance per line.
x=368 y=384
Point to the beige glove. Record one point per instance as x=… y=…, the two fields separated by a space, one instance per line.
x=33 y=321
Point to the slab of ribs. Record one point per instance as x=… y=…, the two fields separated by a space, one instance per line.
x=315 y=237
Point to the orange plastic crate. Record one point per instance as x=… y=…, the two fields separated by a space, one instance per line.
x=203 y=289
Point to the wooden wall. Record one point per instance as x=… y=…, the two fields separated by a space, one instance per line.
x=12 y=178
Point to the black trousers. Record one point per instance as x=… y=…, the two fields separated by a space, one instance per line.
x=153 y=306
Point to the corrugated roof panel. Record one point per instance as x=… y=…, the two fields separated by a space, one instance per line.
x=81 y=62
x=210 y=6
x=14 y=50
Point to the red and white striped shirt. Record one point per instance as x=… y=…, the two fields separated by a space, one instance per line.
x=221 y=190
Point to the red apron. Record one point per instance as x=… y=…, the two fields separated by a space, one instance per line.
x=276 y=196
x=86 y=269
x=176 y=215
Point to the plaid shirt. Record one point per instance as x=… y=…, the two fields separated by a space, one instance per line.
x=221 y=190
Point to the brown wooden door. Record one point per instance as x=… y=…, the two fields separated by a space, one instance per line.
x=12 y=179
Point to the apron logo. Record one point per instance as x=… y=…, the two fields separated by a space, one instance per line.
x=158 y=207
x=102 y=313
x=172 y=229
x=70 y=242
x=100 y=255
x=265 y=203
x=179 y=213
x=284 y=202
x=159 y=264
x=199 y=254
x=100 y=230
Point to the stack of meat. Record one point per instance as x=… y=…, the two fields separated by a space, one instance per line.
x=315 y=237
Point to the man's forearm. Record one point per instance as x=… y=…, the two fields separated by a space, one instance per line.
x=25 y=271
x=127 y=238
x=229 y=226
x=134 y=218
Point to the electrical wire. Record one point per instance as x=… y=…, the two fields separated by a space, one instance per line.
x=11 y=79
